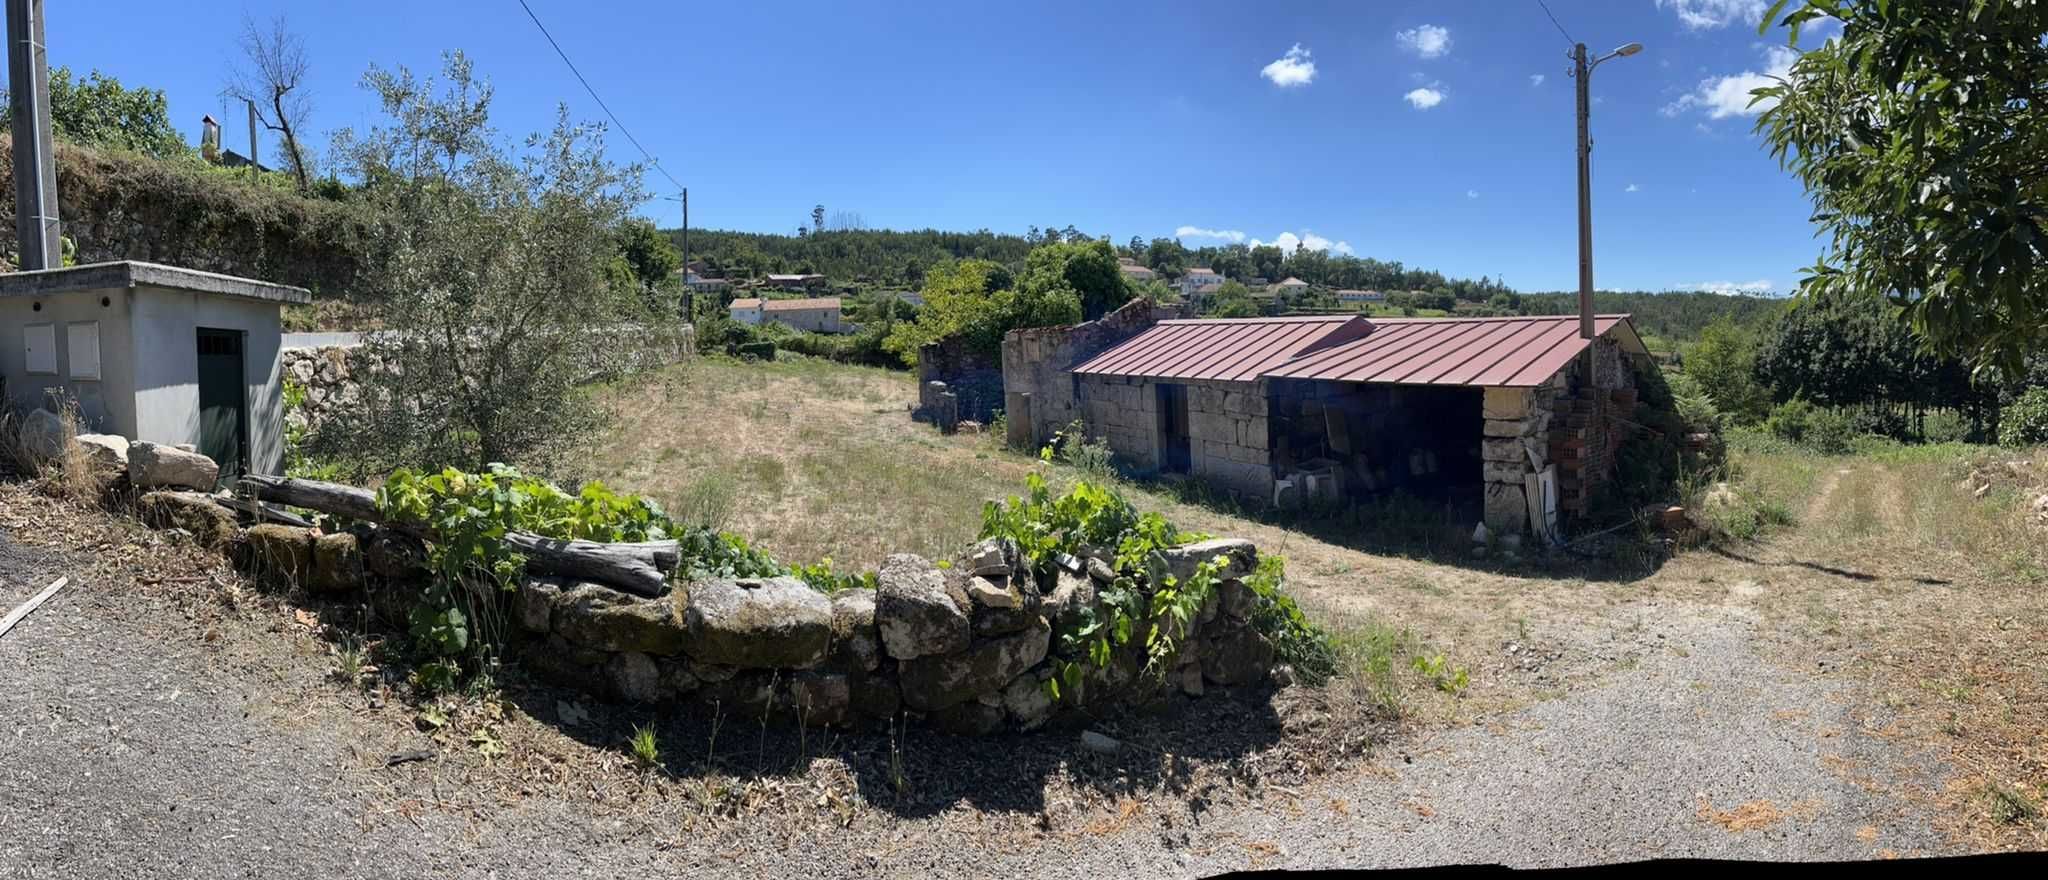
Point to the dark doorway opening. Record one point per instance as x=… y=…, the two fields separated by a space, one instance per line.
x=223 y=402
x=1423 y=442
x=1175 y=455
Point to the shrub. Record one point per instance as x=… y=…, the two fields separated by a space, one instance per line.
x=499 y=280
x=1153 y=618
x=1830 y=432
x=1882 y=421
x=1945 y=426
x=1790 y=420
x=2025 y=422
x=760 y=351
x=1695 y=407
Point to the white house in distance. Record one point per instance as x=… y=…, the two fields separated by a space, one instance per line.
x=700 y=284
x=1199 y=282
x=1291 y=286
x=154 y=353
x=1134 y=271
x=746 y=310
x=816 y=315
x=1361 y=297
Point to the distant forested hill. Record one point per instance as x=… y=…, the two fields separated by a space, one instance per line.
x=875 y=256
x=1678 y=316
x=891 y=258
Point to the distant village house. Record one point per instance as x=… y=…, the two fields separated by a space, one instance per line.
x=816 y=315
x=1199 y=283
x=795 y=282
x=1133 y=270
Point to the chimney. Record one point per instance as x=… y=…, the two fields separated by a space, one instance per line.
x=209 y=139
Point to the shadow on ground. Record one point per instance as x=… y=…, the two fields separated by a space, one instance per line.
x=908 y=769
x=1846 y=574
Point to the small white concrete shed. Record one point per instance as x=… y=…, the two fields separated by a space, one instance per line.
x=153 y=353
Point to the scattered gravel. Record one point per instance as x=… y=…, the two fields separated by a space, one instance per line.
x=149 y=736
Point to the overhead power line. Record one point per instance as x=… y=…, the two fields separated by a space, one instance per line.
x=1546 y=11
x=655 y=163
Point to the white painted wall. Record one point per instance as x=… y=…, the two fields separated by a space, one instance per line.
x=105 y=405
x=166 y=353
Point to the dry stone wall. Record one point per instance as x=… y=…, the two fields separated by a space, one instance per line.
x=332 y=375
x=964 y=647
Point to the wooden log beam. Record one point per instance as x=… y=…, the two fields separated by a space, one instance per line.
x=330 y=498
x=628 y=566
x=638 y=567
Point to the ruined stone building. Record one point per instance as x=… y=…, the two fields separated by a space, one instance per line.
x=1513 y=421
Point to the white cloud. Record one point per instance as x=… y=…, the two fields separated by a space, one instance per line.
x=1288 y=243
x=1633 y=188
x=1424 y=98
x=1759 y=286
x=1535 y=79
x=1723 y=96
x=1230 y=235
x=1291 y=69
x=1428 y=41
x=1471 y=194
x=1699 y=15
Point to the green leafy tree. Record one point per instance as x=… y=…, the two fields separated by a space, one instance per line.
x=969 y=298
x=1084 y=271
x=648 y=253
x=1723 y=362
x=498 y=290
x=1919 y=134
x=1232 y=300
x=98 y=111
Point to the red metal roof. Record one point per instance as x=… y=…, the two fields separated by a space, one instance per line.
x=1511 y=352
x=1222 y=349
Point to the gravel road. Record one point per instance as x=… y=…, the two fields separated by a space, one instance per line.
x=141 y=739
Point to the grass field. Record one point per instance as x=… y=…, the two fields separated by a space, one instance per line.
x=1937 y=592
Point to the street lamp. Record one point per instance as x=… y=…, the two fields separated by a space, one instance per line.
x=1581 y=70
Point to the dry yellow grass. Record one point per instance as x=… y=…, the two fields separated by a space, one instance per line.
x=1937 y=594
x=808 y=459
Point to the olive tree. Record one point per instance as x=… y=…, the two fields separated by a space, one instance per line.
x=497 y=298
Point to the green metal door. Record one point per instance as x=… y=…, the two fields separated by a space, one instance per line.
x=223 y=411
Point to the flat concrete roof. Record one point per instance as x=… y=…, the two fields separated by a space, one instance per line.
x=133 y=273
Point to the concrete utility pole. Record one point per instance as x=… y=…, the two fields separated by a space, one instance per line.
x=1582 y=71
x=253 y=165
x=35 y=163
x=1579 y=75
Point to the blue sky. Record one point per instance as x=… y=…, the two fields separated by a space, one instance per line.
x=1422 y=134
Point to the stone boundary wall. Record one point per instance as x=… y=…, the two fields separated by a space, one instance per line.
x=974 y=379
x=963 y=648
x=1039 y=396
x=332 y=374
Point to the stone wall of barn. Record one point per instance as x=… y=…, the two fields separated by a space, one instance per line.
x=1229 y=435
x=1574 y=421
x=1040 y=396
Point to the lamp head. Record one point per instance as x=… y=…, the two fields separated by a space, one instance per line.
x=1629 y=49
